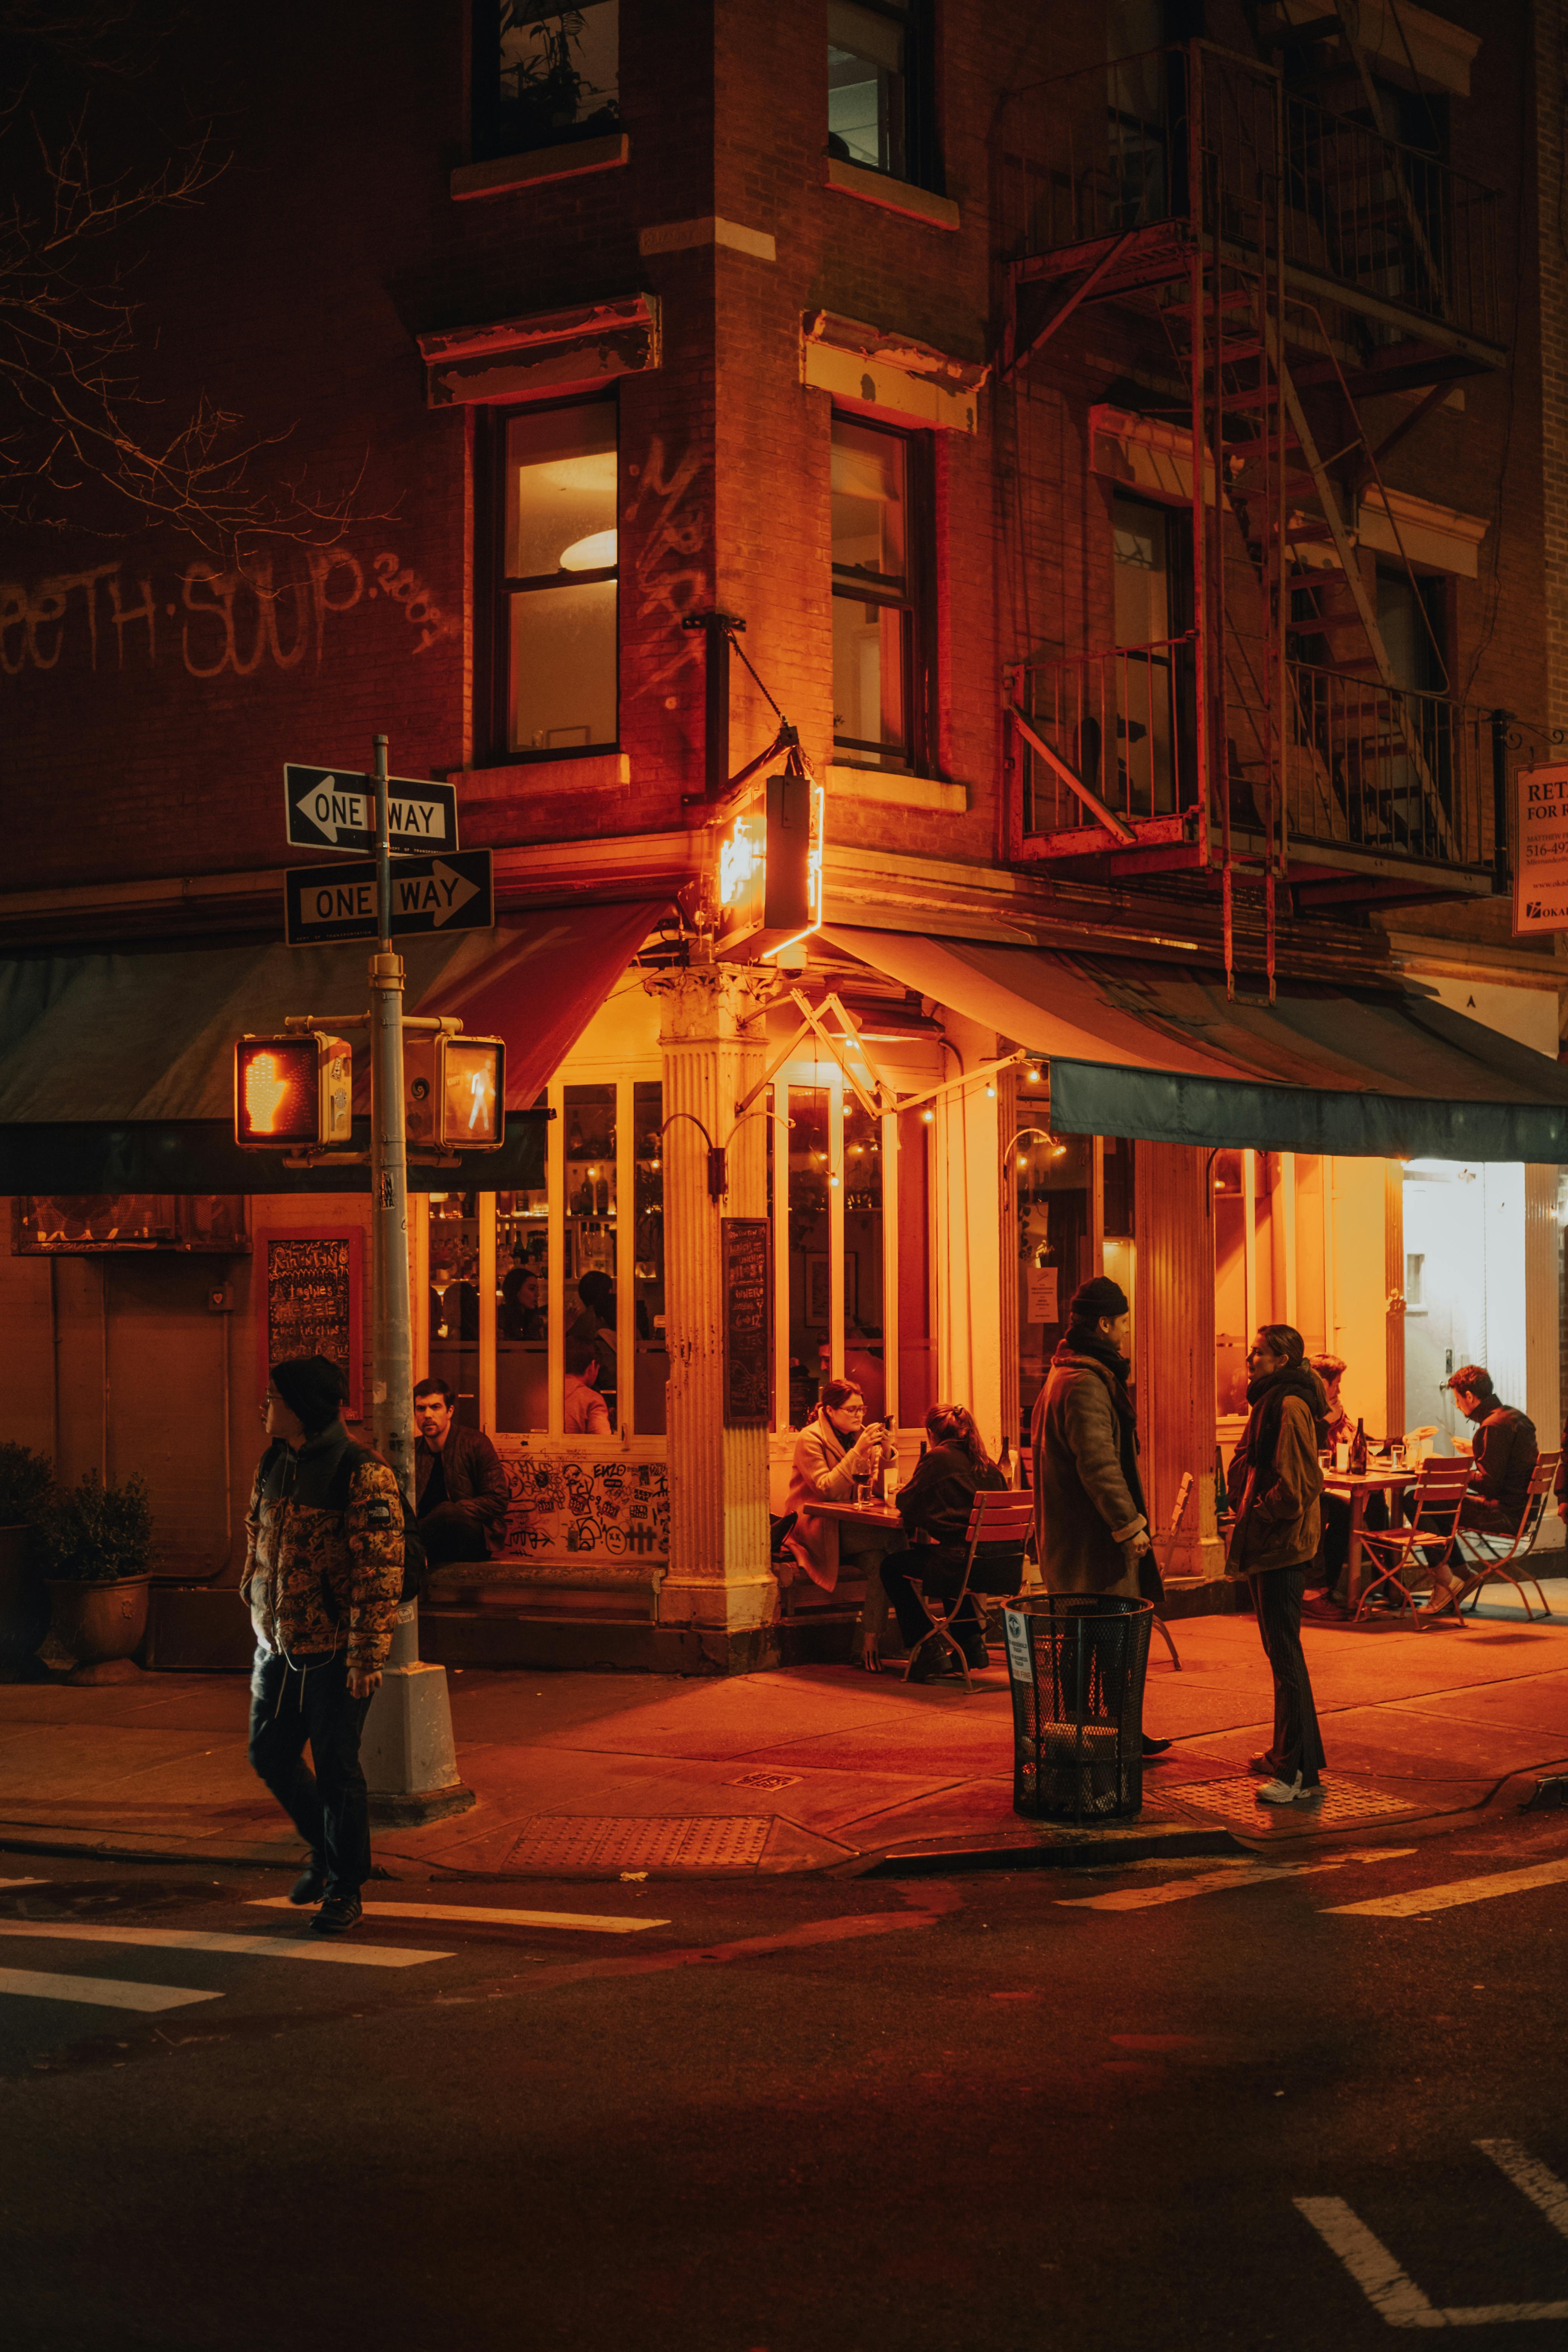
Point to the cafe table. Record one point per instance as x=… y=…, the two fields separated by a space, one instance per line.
x=1355 y=1487
x=882 y=1517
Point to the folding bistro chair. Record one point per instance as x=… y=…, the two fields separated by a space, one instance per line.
x=1492 y=1558
x=999 y=1527
x=1439 y=1490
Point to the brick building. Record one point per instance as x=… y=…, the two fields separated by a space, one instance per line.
x=1121 y=434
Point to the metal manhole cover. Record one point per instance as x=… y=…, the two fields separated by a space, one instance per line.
x=1342 y=1801
x=765 y=1780
x=666 y=1842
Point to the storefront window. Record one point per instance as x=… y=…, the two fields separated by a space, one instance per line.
x=863 y=1329
x=455 y=1299
x=522 y=1310
x=1053 y=1181
x=652 y=1357
x=590 y=1229
x=917 y=1358
x=810 y=1251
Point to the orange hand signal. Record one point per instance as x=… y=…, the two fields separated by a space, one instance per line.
x=266 y=1089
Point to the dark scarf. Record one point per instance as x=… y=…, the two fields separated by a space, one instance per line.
x=1082 y=1340
x=1266 y=1395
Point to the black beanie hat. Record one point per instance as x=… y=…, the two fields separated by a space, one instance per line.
x=1093 y=1300
x=314 y=1388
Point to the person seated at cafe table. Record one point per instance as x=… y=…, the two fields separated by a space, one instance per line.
x=837 y=1446
x=1504 y=1450
x=1328 y=1578
x=936 y=1505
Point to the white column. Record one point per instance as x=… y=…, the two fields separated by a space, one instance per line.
x=719 y=1579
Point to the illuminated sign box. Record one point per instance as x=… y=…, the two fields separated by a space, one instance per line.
x=454 y=1092
x=770 y=869
x=292 y=1091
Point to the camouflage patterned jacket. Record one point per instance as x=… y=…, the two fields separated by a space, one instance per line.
x=314 y=1574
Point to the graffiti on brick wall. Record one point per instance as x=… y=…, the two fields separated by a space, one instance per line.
x=604 y=1507
x=667 y=578
x=213 y=624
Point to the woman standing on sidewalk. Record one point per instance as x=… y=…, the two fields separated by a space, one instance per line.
x=1276 y=1487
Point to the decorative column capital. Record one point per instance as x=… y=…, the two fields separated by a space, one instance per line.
x=710 y=1003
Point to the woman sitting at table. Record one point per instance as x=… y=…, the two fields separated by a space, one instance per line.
x=837 y=1446
x=936 y=1505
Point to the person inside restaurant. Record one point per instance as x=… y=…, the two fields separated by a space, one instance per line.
x=518 y=1313
x=583 y=1411
x=935 y=1508
x=838 y=1445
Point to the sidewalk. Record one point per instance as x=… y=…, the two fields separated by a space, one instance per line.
x=819 y=1767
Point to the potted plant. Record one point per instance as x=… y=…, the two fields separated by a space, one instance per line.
x=552 y=95
x=26 y=1481
x=96 y=1541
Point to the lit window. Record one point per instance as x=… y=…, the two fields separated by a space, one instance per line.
x=878 y=82
x=879 y=655
x=559 y=599
x=543 y=75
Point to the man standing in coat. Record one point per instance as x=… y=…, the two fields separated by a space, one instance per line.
x=459 y=1486
x=323 y=1574
x=1091 y=1524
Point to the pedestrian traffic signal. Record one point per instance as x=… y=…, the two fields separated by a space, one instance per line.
x=455 y=1092
x=295 y=1090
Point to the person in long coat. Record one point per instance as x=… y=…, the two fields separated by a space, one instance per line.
x=1276 y=1485
x=1091 y=1523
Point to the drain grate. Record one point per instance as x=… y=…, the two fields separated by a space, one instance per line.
x=666 y=1842
x=1342 y=1801
x=767 y=1781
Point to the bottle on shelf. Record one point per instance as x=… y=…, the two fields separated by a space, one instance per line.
x=1358 y=1451
x=1221 y=1496
x=602 y=1197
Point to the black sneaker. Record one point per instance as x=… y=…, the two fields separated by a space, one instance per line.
x=935 y=1663
x=309 y=1886
x=337 y=1915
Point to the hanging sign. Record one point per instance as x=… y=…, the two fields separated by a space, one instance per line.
x=769 y=877
x=1541 y=849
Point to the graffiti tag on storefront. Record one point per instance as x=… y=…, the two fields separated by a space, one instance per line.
x=577 y=1505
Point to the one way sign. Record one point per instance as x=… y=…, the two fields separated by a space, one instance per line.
x=428 y=894
x=333 y=808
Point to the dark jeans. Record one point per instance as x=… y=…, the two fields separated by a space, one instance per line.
x=938 y=1568
x=310 y=1700
x=1298 y=1745
x=448 y=1533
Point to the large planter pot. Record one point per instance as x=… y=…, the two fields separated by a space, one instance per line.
x=99 y=1624
x=24 y=1609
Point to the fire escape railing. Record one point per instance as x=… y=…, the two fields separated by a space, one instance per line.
x=1368 y=768
x=1185 y=138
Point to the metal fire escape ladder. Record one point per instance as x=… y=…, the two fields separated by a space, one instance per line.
x=1413 y=220
x=1344 y=547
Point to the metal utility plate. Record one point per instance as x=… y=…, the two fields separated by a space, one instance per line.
x=665 y=1841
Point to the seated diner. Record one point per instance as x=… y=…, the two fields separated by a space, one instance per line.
x=935 y=1508
x=837 y=1446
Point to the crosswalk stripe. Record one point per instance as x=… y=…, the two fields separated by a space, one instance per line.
x=99 y=1993
x=596 y=1923
x=195 y=1939
x=1542 y=2187
x=22 y=1881
x=1458 y=1890
x=1215 y=1882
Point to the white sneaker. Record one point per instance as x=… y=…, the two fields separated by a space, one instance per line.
x=1288 y=1792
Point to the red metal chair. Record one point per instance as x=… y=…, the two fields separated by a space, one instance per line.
x=1409 y=1551
x=1000 y=1521
x=1489 y=1565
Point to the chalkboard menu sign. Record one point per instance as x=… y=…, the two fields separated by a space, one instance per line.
x=312 y=1289
x=748 y=1355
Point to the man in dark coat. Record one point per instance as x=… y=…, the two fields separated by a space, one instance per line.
x=459 y=1486
x=1091 y=1523
x=1505 y=1451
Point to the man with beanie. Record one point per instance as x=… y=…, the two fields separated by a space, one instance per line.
x=1091 y=1524
x=323 y=1573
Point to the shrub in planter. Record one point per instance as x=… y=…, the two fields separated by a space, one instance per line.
x=27 y=1481
x=96 y=1542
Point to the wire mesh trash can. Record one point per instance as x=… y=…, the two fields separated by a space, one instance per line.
x=1075 y=1662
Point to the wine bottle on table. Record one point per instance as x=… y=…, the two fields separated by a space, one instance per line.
x=1358 y=1451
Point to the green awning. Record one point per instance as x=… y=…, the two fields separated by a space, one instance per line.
x=1156 y=1051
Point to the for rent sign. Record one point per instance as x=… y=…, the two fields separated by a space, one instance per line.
x=1541 y=849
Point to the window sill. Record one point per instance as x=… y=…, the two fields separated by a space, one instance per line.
x=540 y=165
x=893 y=196
x=885 y=789
x=537 y=780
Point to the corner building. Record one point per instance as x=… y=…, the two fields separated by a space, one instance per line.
x=1117 y=438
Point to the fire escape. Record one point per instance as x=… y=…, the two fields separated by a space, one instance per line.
x=1274 y=264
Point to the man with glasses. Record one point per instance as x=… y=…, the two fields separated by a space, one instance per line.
x=323 y=1574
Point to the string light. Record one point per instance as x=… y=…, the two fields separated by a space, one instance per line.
x=928 y=1117
x=1033 y=1077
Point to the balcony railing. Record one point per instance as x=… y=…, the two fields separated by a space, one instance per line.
x=1368 y=768
x=1200 y=141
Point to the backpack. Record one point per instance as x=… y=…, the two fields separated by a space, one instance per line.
x=416 y=1562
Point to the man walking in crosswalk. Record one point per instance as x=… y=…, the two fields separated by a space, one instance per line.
x=323 y=1573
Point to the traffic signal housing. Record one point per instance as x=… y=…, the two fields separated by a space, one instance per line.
x=454 y=1092
x=293 y=1092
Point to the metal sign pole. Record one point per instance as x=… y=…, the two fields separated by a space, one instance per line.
x=408 y=1752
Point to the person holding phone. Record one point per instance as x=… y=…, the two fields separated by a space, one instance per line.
x=837 y=1446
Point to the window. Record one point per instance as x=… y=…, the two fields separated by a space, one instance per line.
x=879 y=87
x=557 y=624
x=880 y=690
x=543 y=75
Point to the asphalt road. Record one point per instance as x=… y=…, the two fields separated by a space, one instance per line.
x=1034 y=2109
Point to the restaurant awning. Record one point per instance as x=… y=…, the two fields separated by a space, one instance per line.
x=1156 y=1051
x=116 y=1070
